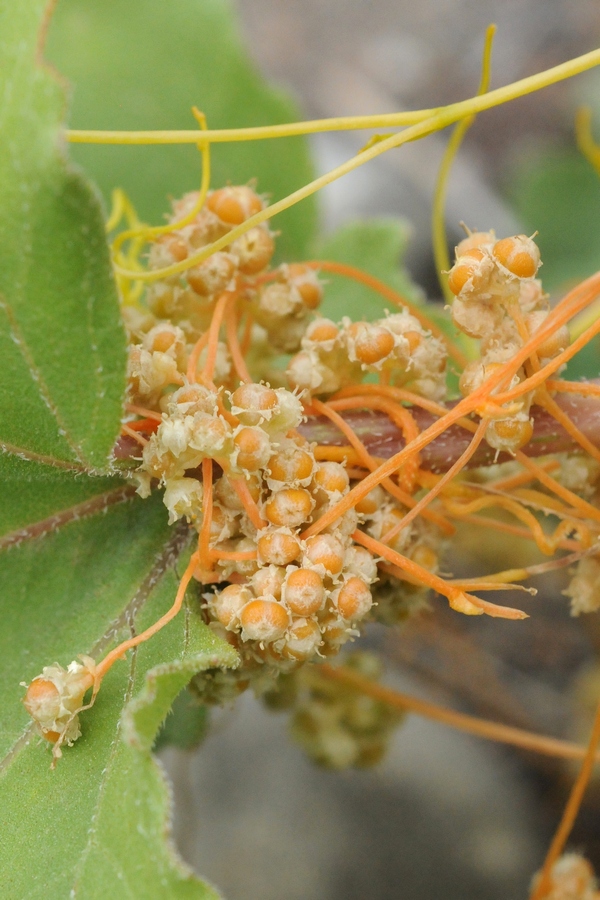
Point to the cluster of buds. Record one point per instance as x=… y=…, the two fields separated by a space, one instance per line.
x=290 y=599
x=179 y=308
x=500 y=302
x=419 y=541
x=571 y=878
x=54 y=699
x=584 y=587
x=335 y=724
x=396 y=347
x=188 y=299
x=283 y=306
x=294 y=553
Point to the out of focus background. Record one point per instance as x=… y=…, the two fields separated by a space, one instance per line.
x=444 y=815
x=519 y=163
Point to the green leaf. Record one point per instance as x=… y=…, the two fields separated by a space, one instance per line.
x=140 y=65
x=38 y=499
x=96 y=825
x=377 y=246
x=61 y=341
x=186 y=725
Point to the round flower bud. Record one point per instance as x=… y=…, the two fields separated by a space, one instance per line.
x=425 y=556
x=166 y=250
x=278 y=547
x=303 y=592
x=234 y=204
x=358 y=561
x=303 y=639
x=253 y=403
x=268 y=581
x=304 y=279
x=555 y=343
x=335 y=632
x=372 y=502
x=477 y=239
x=510 y=434
x=469 y=270
x=331 y=477
x=252 y=448
x=253 y=250
x=226 y=605
x=353 y=600
x=369 y=344
x=290 y=506
x=165 y=338
x=263 y=620
x=291 y=465
x=327 y=551
x=322 y=331
x=519 y=254
x=213 y=275
x=191 y=399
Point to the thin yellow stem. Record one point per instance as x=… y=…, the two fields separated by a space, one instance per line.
x=260 y=133
x=390 y=120
x=438 y=225
x=437 y=121
x=147 y=233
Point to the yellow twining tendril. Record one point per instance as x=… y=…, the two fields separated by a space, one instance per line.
x=438 y=229
x=591 y=150
x=419 y=124
x=138 y=233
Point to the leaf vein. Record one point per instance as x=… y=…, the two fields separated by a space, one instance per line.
x=78 y=511
x=32 y=456
x=37 y=378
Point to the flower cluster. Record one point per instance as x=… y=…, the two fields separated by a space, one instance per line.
x=302 y=540
x=335 y=724
x=54 y=699
x=500 y=302
x=397 y=348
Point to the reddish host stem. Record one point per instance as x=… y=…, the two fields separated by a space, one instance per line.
x=383 y=438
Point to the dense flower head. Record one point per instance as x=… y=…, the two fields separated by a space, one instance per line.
x=295 y=446
x=289 y=581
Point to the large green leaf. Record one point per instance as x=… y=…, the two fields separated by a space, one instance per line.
x=97 y=824
x=136 y=64
x=61 y=342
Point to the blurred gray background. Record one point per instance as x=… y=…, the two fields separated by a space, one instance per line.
x=344 y=57
x=444 y=815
